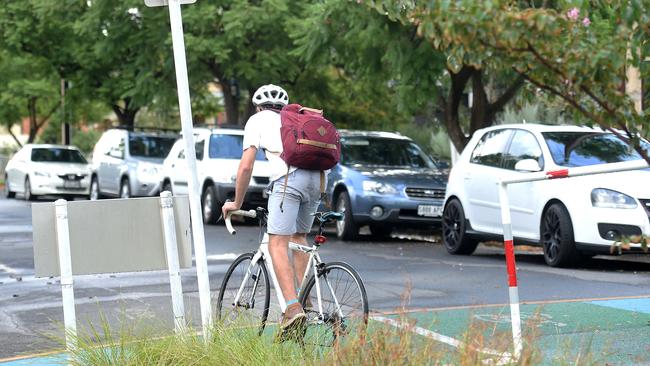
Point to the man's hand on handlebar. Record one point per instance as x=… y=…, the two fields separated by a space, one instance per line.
x=229 y=206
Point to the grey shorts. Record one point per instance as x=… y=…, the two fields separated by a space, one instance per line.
x=301 y=200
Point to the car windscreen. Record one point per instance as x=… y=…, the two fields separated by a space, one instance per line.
x=573 y=149
x=150 y=146
x=57 y=155
x=379 y=151
x=224 y=146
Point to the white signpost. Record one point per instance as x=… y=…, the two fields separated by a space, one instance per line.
x=185 y=109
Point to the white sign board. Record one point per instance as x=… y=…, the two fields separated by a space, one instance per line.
x=154 y=3
x=110 y=236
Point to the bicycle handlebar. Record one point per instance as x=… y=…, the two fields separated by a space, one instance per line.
x=249 y=213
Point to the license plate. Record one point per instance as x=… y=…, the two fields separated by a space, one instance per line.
x=71 y=184
x=429 y=211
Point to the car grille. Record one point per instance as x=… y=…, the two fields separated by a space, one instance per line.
x=646 y=205
x=261 y=180
x=428 y=193
x=72 y=177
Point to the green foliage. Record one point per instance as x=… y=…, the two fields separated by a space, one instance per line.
x=124 y=55
x=578 y=54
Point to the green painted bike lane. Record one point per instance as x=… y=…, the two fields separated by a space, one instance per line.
x=608 y=331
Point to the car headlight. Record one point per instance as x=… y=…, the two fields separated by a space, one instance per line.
x=378 y=187
x=607 y=198
x=42 y=174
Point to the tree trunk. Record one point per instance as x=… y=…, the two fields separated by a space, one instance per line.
x=249 y=109
x=230 y=101
x=126 y=115
x=452 y=104
x=33 y=122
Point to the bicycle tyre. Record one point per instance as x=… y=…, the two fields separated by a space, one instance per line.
x=351 y=295
x=247 y=314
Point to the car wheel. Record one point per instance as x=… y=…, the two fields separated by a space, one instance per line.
x=28 y=191
x=167 y=186
x=454 y=234
x=94 y=190
x=346 y=229
x=7 y=192
x=125 y=188
x=211 y=208
x=381 y=230
x=556 y=236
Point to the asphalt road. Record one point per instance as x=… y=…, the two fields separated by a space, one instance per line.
x=401 y=271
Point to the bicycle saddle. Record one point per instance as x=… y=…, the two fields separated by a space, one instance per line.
x=330 y=215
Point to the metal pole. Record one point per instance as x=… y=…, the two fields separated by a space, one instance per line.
x=65 y=266
x=190 y=156
x=513 y=291
x=171 y=249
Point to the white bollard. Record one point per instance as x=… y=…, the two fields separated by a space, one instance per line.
x=65 y=266
x=171 y=249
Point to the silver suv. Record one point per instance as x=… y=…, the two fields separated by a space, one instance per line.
x=128 y=163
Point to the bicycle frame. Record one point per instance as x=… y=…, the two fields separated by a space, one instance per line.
x=312 y=267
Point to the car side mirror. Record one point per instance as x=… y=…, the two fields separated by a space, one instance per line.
x=527 y=165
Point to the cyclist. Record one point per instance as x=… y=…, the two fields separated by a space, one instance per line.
x=291 y=222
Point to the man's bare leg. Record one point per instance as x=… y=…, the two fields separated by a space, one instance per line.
x=300 y=259
x=279 y=250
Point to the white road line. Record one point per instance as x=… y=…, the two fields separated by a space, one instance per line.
x=7 y=269
x=504 y=357
x=222 y=257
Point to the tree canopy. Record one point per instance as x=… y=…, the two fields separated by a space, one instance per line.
x=370 y=64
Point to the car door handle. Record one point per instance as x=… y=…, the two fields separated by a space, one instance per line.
x=467 y=176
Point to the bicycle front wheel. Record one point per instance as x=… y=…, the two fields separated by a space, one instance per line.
x=343 y=300
x=245 y=294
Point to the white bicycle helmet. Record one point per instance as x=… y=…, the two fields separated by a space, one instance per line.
x=270 y=94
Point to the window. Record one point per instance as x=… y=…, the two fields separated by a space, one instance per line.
x=489 y=151
x=574 y=149
x=377 y=151
x=57 y=155
x=229 y=147
x=150 y=146
x=523 y=146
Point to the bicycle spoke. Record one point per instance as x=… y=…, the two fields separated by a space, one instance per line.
x=344 y=304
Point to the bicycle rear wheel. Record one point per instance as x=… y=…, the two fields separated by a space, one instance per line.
x=344 y=301
x=252 y=307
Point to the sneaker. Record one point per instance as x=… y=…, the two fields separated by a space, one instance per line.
x=293 y=317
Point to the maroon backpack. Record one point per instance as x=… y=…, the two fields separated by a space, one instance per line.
x=309 y=141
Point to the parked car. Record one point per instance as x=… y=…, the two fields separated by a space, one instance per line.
x=128 y=163
x=39 y=169
x=384 y=180
x=218 y=152
x=570 y=218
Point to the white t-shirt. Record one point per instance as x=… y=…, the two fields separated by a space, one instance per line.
x=263 y=132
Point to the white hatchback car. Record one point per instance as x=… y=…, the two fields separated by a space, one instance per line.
x=570 y=218
x=39 y=169
x=218 y=152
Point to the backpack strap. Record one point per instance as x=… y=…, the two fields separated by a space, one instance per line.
x=284 y=191
x=323 y=195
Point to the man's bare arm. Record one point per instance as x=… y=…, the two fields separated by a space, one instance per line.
x=244 y=174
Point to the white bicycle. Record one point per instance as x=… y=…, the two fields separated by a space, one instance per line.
x=332 y=294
